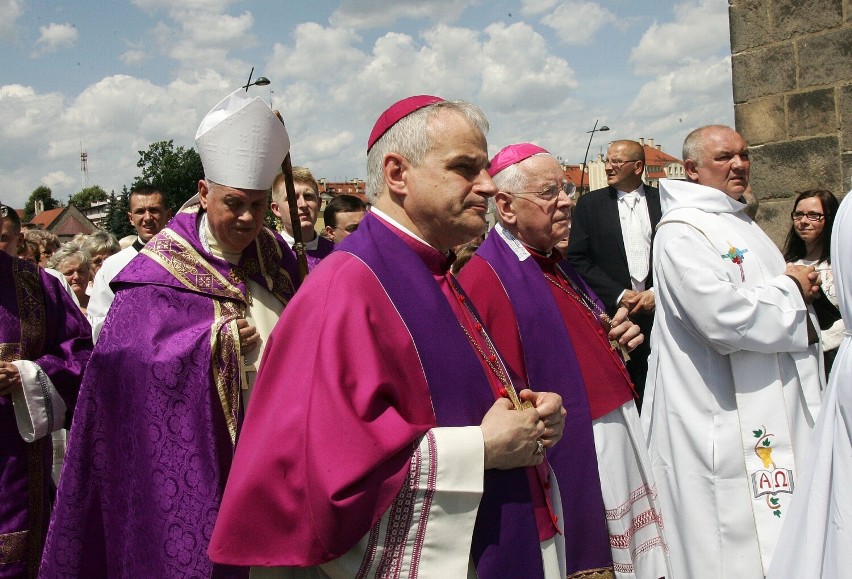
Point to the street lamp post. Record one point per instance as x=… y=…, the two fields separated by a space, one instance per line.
x=594 y=130
x=261 y=81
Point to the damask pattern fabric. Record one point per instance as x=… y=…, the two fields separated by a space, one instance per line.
x=158 y=413
x=38 y=322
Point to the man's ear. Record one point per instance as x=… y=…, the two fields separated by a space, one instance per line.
x=203 y=192
x=639 y=168
x=395 y=169
x=504 y=204
x=329 y=231
x=276 y=210
x=691 y=169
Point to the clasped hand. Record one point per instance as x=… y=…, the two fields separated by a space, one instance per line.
x=511 y=436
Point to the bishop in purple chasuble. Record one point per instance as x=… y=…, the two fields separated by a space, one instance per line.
x=159 y=411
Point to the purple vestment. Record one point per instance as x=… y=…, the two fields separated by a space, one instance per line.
x=38 y=322
x=314 y=256
x=158 y=413
x=551 y=365
x=328 y=438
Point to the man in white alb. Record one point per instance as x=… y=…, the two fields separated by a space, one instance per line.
x=733 y=382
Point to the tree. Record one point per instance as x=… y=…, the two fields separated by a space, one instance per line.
x=43 y=194
x=85 y=197
x=116 y=221
x=175 y=170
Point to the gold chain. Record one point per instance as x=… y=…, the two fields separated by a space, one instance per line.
x=593 y=307
x=491 y=359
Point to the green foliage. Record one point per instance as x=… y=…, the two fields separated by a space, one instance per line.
x=85 y=197
x=175 y=170
x=116 y=221
x=43 y=194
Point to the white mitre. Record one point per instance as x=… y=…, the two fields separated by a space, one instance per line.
x=242 y=143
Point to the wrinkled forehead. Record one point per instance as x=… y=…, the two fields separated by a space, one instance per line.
x=543 y=170
x=724 y=140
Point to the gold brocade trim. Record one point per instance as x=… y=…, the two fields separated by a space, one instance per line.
x=13 y=547
x=189 y=267
x=31 y=310
x=225 y=360
x=599 y=573
x=270 y=257
x=9 y=351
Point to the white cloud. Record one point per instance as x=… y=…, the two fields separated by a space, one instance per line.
x=53 y=37
x=133 y=57
x=579 y=22
x=10 y=11
x=381 y=13
x=700 y=29
x=59 y=179
x=534 y=7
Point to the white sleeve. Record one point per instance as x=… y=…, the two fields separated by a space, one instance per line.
x=39 y=409
x=427 y=530
x=100 y=302
x=767 y=317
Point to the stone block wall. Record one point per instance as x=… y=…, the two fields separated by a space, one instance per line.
x=792 y=85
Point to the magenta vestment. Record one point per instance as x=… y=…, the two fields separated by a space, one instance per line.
x=153 y=437
x=330 y=433
x=38 y=322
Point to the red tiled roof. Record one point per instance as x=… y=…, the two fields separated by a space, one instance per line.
x=573 y=174
x=45 y=218
x=654 y=156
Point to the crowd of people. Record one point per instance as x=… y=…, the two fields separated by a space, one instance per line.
x=432 y=398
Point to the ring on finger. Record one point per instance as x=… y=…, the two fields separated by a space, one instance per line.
x=539 y=447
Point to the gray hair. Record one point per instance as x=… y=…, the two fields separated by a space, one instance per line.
x=68 y=251
x=693 y=145
x=411 y=138
x=100 y=242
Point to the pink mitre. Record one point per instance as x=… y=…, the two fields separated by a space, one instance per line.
x=398 y=111
x=512 y=154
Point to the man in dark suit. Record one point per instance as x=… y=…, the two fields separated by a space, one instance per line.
x=610 y=244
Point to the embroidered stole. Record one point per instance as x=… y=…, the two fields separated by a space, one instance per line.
x=767 y=444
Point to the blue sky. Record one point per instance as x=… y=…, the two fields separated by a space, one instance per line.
x=115 y=76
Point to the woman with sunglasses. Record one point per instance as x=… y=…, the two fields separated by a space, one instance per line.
x=809 y=243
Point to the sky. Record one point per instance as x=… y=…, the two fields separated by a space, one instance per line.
x=111 y=77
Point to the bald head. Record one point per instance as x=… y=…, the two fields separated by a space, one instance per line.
x=625 y=164
x=717 y=156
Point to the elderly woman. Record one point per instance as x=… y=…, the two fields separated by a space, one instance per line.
x=100 y=245
x=73 y=263
x=809 y=243
x=47 y=244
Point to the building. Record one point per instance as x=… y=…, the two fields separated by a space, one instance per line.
x=63 y=222
x=96 y=213
x=792 y=84
x=658 y=165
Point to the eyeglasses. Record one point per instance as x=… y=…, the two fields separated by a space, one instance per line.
x=352 y=228
x=619 y=164
x=550 y=194
x=811 y=215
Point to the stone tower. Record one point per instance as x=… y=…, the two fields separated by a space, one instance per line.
x=792 y=81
